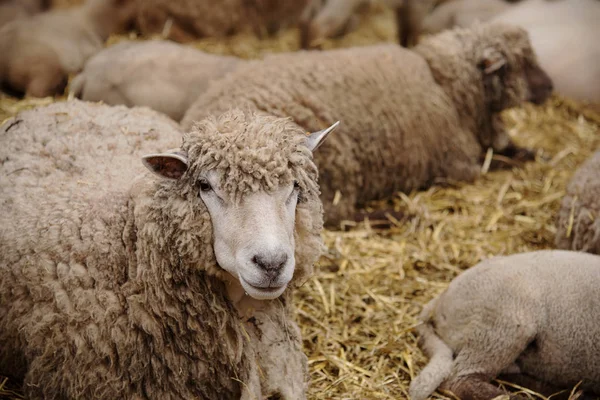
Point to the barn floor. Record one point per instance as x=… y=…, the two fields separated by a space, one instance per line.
x=357 y=313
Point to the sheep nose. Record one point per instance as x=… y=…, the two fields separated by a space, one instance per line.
x=540 y=85
x=271 y=263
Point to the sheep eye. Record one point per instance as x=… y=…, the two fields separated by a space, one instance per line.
x=296 y=185
x=204 y=185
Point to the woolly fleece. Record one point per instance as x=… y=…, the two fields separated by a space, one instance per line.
x=581 y=205
x=109 y=287
x=408 y=117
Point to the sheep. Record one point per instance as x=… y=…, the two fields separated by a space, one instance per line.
x=162 y=75
x=173 y=284
x=186 y=20
x=563 y=34
x=11 y=10
x=38 y=53
x=578 y=222
x=410 y=117
x=531 y=317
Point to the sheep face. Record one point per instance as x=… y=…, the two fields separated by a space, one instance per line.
x=254 y=236
x=511 y=72
x=251 y=179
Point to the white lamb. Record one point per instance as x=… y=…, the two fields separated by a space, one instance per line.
x=532 y=317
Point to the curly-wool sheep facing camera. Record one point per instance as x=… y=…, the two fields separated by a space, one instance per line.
x=532 y=317
x=159 y=74
x=410 y=117
x=115 y=284
x=578 y=222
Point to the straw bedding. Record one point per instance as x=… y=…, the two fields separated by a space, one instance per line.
x=357 y=313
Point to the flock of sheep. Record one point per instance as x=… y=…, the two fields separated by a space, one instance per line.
x=152 y=252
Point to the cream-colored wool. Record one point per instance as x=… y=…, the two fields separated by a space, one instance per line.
x=162 y=75
x=532 y=317
x=578 y=222
x=408 y=118
x=38 y=53
x=186 y=20
x=109 y=286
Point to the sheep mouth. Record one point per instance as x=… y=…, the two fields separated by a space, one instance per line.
x=262 y=293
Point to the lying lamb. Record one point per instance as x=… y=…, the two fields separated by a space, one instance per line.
x=11 y=10
x=162 y=75
x=38 y=53
x=578 y=223
x=532 y=317
x=186 y=20
x=410 y=117
x=116 y=284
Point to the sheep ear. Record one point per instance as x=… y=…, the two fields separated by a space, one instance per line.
x=492 y=61
x=167 y=165
x=314 y=140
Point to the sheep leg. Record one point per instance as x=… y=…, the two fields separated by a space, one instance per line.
x=485 y=355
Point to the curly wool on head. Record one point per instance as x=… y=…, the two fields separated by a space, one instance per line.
x=254 y=151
